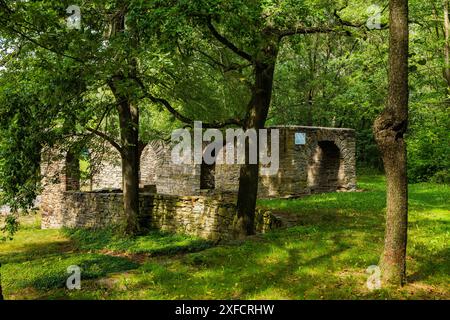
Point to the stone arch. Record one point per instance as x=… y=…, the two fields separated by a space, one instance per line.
x=344 y=140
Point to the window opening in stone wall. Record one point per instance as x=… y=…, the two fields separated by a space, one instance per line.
x=207 y=174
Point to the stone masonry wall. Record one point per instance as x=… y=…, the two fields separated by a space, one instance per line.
x=325 y=163
x=109 y=173
x=203 y=216
x=89 y=210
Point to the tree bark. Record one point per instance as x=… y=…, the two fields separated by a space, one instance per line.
x=130 y=148
x=389 y=129
x=255 y=119
x=447 y=45
x=129 y=151
x=129 y=124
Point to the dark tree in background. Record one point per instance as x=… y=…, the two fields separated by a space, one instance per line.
x=389 y=129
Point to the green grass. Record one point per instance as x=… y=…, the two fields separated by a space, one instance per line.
x=324 y=257
x=153 y=243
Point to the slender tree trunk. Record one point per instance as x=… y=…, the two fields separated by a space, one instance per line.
x=130 y=151
x=249 y=173
x=310 y=107
x=447 y=45
x=389 y=129
x=129 y=122
x=129 y=130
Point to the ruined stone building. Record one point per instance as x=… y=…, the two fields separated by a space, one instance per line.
x=197 y=199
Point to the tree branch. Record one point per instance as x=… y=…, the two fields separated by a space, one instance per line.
x=184 y=119
x=107 y=138
x=225 y=68
x=227 y=42
x=178 y=115
x=308 y=30
x=26 y=37
x=357 y=25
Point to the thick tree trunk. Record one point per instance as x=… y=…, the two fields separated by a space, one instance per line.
x=389 y=129
x=249 y=173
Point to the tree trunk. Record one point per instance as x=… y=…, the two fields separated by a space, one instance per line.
x=249 y=173
x=129 y=128
x=129 y=122
x=447 y=45
x=389 y=129
x=130 y=151
x=309 y=121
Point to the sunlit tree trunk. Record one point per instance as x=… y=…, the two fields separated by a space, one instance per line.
x=256 y=118
x=129 y=134
x=389 y=130
x=447 y=45
x=130 y=167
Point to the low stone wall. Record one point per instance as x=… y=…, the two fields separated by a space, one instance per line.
x=89 y=210
x=208 y=217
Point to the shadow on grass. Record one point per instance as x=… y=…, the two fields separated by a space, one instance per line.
x=325 y=256
x=153 y=243
x=51 y=271
x=295 y=263
x=32 y=251
x=43 y=266
x=251 y=270
x=430 y=264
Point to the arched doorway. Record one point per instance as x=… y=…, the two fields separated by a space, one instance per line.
x=323 y=171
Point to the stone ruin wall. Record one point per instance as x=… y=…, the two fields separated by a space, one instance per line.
x=326 y=162
x=202 y=216
x=63 y=205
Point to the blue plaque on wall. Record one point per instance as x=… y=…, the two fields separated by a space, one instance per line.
x=300 y=138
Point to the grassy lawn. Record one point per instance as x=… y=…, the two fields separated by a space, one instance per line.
x=325 y=256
